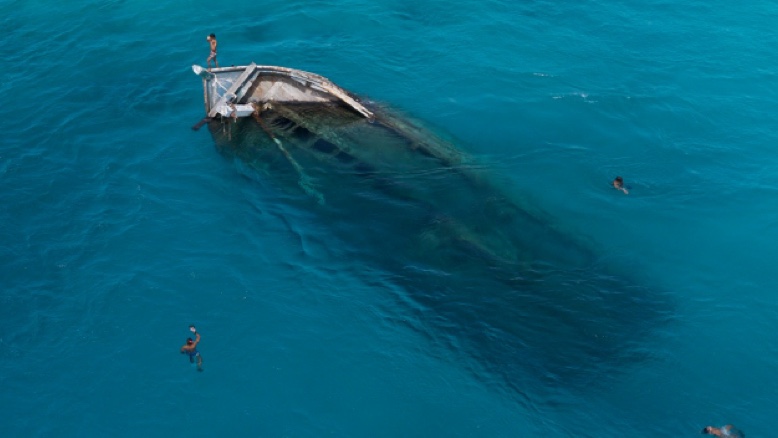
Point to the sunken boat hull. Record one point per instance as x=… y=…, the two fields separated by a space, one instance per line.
x=485 y=275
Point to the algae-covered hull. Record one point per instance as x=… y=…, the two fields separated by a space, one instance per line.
x=490 y=276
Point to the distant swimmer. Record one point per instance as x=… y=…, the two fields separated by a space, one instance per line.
x=212 y=40
x=190 y=348
x=618 y=184
x=727 y=430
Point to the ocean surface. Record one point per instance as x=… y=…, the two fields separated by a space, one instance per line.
x=121 y=225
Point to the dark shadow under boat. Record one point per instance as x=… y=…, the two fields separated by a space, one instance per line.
x=490 y=277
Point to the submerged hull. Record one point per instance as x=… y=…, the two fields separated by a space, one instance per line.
x=484 y=272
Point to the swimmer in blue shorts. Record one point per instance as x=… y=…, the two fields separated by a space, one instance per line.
x=190 y=348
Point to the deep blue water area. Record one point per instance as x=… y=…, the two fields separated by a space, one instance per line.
x=121 y=225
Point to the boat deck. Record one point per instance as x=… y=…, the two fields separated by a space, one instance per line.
x=233 y=91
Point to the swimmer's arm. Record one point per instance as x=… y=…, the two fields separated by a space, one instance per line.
x=197 y=339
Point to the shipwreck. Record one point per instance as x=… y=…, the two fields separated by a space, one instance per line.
x=491 y=276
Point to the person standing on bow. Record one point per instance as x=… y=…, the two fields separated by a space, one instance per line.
x=212 y=40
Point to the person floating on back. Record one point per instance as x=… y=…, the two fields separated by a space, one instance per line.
x=618 y=184
x=212 y=39
x=190 y=348
x=727 y=430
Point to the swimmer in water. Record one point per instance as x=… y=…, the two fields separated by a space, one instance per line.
x=618 y=184
x=190 y=348
x=727 y=430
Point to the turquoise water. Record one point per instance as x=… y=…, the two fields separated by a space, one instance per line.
x=121 y=226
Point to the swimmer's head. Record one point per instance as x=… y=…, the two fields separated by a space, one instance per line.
x=706 y=430
x=189 y=340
